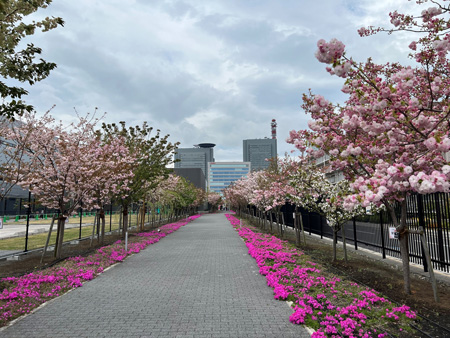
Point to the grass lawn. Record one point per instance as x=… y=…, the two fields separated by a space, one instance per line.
x=38 y=240
x=85 y=219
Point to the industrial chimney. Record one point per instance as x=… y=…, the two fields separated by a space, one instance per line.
x=274 y=129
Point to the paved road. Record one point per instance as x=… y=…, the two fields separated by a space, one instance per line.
x=197 y=282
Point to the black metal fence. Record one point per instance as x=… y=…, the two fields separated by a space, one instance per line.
x=23 y=223
x=432 y=212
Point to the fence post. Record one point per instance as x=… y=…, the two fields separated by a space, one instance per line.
x=81 y=218
x=28 y=220
x=420 y=209
x=354 y=234
x=383 y=247
x=110 y=217
x=321 y=226
x=309 y=222
x=439 y=231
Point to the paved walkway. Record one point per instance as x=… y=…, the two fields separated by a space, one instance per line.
x=197 y=282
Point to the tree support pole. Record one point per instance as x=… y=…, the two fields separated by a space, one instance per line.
x=430 y=266
x=48 y=238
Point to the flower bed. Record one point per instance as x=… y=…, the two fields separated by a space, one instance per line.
x=331 y=306
x=21 y=295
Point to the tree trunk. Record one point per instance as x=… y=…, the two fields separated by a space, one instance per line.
x=102 y=231
x=141 y=217
x=402 y=229
x=152 y=224
x=270 y=221
x=296 y=228
x=121 y=220
x=334 y=245
x=125 y=221
x=98 y=226
x=130 y=222
x=57 y=236
x=344 y=243
x=60 y=236
x=277 y=220
x=138 y=219
x=153 y=216
x=302 y=228
x=93 y=228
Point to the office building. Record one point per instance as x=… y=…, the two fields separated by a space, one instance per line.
x=222 y=174
x=193 y=175
x=333 y=176
x=197 y=157
x=259 y=151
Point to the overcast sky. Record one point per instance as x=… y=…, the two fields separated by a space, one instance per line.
x=214 y=71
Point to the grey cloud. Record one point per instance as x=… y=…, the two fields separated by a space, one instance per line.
x=232 y=64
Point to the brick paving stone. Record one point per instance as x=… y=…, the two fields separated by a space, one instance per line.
x=197 y=282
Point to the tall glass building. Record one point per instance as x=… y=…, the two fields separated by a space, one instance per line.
x=258 y=151
x=198 y=157
x=222 y=174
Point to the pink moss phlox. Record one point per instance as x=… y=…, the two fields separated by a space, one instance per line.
x=314 y=295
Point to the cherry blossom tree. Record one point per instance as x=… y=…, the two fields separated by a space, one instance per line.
x=152 y=155
x=266 y=189
x=299 y=173
x=314 y=192
x=391 y=135
x=252 y=190
x=175 y=193
x=61 y=163
x=199 y=199
x=184 y=194
x=113 y=175
x=214 y=199
x=277 y=192
x=240 y=193
x=156 y=192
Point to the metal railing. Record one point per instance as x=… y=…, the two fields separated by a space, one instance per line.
x=21 y=233
x=432 y=212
